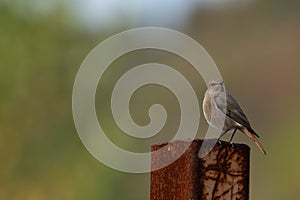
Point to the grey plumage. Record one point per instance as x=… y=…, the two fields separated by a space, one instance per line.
x=223 y=112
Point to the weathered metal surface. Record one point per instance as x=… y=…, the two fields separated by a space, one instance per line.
x=222 y=174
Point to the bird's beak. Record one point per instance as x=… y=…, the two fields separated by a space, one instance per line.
x=221 y=82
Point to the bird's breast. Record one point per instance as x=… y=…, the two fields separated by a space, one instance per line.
x=207 y=107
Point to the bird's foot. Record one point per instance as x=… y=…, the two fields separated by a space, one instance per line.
x=220 y=143
x=232 y=145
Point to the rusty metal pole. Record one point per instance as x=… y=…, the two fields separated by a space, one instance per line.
x=222 y=174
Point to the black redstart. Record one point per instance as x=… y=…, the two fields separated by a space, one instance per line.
x=223 y=112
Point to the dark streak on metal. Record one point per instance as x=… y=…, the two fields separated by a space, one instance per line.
x=222 y=174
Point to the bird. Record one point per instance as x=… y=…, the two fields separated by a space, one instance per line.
x=223 y=112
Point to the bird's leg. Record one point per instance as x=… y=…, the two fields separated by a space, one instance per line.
x=219 y=139
x=230 y=141
x=232 y=135
x=222 y=134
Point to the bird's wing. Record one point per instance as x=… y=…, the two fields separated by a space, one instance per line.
x=232 y=109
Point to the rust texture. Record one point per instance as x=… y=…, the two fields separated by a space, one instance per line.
x=222 y=174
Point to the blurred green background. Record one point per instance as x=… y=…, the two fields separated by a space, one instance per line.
x=255 y=44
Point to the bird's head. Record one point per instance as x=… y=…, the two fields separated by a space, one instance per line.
x=216 y=85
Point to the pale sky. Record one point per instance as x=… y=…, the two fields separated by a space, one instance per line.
x=98 y=14
x=142 y=12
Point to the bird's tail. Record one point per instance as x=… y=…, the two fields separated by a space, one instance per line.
x=252 y=137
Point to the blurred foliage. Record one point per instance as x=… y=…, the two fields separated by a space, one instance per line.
x=41 y=156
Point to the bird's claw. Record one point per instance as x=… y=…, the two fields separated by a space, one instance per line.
x=220 y=143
